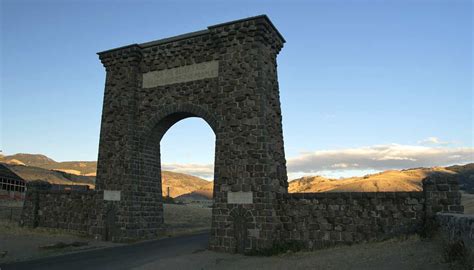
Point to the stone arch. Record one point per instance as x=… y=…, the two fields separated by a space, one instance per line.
x=166 y=117
x=225 y=75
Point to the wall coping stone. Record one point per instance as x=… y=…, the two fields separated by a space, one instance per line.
x=335 y=195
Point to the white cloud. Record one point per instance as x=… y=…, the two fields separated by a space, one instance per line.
x=354 y=161
x=379 y=157
x=344 y=165
x=433 y=141
x=333 y=174
x=205 y=171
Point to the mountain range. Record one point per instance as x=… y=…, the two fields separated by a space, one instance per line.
x=34 y=166
x=391 y=180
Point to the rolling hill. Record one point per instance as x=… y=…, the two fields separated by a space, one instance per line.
x=87 y=168
x=392 y=180
x=30 y=173
x=31 y=167
x=181 y=183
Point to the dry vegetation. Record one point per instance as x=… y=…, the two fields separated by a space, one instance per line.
x=183 y=219
x=181 y=183
x=405 y=180
x=30 y=173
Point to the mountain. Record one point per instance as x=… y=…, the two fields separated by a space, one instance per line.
x=30 y=173
x=34 y=167
x=43 y=167
x=180 y=183
x=465 y=176
x=87 y=168
x=392 y=180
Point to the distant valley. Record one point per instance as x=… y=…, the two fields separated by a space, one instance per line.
x=33 y=166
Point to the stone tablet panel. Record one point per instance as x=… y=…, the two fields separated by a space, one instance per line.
x=182 y=74
x=111 y=195
x=240 y=197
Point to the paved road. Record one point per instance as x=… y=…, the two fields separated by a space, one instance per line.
x=122 y=257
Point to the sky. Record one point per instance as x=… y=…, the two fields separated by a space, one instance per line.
x=365 y=85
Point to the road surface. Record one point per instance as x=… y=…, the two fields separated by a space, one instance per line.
x=122 y=257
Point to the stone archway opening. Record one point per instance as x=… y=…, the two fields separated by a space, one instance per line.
x=151 y=174
x=187 y=176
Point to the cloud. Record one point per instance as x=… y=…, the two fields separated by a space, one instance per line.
x=354 y=161
x=379 y=157
x=205 y=171
x=433 y=141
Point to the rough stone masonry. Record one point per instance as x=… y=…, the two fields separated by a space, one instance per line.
x=226 y=75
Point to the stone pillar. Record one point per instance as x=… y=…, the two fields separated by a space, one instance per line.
x=250 y=163
x=442 y=194
x=29 y=214
x=117 y=166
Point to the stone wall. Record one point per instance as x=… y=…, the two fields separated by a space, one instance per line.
x=80 y=211
x=324 y=219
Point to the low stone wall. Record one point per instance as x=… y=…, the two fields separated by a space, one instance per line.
x=80 y=211
x=315 y=220
x=323 y=219
x=457 y=231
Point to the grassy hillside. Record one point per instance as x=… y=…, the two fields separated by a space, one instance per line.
x=181 y=183
x=41 y=161
x=404 y=180
x=40 y=166
x=465 y=176
x=30 y=173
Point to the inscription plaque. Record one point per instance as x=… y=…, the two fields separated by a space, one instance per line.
x=111 y=195
x=240 y=197
x=182 y=74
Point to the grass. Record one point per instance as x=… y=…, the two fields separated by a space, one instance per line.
x=12 y=228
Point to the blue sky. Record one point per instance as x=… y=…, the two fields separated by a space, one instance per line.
x=365 y=85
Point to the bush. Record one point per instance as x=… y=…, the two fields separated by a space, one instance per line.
x=456 y=252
